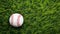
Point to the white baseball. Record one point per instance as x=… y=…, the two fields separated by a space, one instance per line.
x=16 y=20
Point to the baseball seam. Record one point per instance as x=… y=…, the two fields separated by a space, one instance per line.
x=18 y=20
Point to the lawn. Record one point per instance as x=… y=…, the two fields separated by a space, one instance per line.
x=40 y=16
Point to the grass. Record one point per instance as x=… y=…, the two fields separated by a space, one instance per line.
x=40 y=16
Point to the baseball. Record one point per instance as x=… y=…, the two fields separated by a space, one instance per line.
x=16 y=20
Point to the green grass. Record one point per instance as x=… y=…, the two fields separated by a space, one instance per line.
x=40 y=16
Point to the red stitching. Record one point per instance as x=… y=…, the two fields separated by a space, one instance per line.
x=18 y=20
